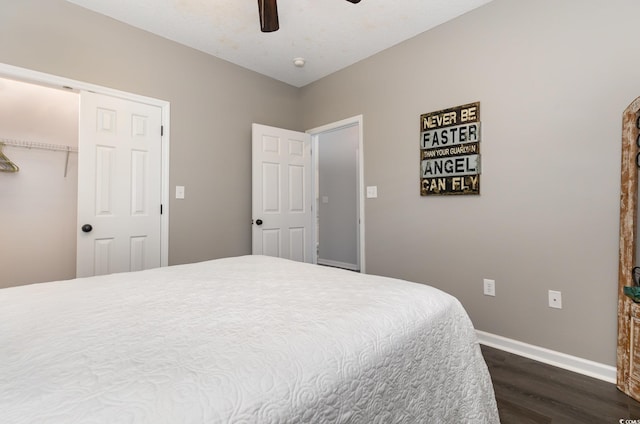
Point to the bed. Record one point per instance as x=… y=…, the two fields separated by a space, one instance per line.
x=250 y=339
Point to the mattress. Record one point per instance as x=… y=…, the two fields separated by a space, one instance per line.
x=250 y=339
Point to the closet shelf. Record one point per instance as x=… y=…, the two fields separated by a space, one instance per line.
x=11 y=167
x=37 y=145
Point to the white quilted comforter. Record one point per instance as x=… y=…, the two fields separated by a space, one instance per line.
x=251 y=339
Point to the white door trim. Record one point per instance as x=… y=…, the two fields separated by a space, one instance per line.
x=35 y=77
x=315 y=133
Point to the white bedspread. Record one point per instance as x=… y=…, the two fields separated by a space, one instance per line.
x=251 y=339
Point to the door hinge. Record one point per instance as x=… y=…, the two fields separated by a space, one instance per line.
x=160 y=208
x=161 y=130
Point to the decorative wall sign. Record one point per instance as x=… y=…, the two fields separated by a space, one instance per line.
x=450 y=151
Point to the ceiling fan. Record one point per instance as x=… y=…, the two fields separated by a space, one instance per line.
x=269 y=14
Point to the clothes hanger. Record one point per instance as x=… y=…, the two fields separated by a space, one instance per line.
x=5 y=163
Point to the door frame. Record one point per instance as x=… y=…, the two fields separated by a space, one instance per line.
x=315 y=136
x=41 y=78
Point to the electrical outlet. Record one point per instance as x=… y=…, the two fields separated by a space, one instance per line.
x=489 y=287
x=555 y=299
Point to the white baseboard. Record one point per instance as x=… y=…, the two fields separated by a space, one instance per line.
x=336 y=264
x=557 y=359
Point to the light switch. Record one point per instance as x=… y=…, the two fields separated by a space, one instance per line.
x=372 y=192
x=325 y=199
x=179 y=192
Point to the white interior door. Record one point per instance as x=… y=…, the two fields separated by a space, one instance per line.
x=281 y=193
x=119 y=185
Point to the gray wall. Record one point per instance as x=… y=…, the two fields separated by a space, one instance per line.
x=213 y=104
x=553 y=78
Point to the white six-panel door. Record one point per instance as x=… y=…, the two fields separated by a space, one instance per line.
x=119 y=185
x=281 y=193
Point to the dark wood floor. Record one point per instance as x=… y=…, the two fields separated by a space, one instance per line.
x=531 y=392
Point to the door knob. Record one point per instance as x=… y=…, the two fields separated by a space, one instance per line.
x=87 y=228
x=258 y=222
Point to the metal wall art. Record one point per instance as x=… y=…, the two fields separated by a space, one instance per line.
x=450 y=151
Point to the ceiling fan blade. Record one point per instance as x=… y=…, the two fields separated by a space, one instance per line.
x=354 y=1
x=269 y=15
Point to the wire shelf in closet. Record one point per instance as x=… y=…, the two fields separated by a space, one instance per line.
x=37 y=145
x=7 y=166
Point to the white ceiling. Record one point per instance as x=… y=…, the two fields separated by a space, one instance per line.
x=328 y=34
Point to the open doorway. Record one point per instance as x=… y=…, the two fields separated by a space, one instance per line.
x=339 y=199
x=39 y=133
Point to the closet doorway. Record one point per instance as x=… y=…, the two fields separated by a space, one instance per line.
x=39 y=134
x=45 y=215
